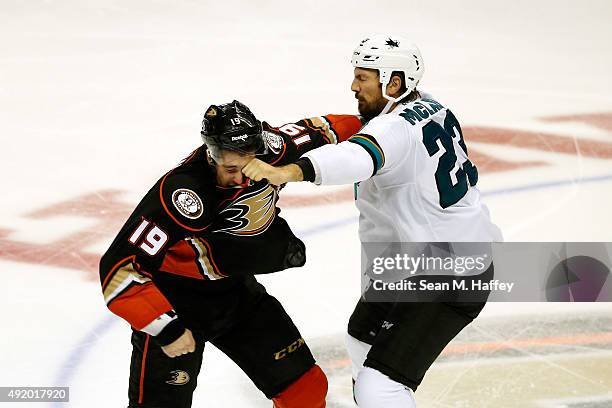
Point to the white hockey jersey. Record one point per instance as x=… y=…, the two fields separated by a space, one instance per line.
x=414 y=181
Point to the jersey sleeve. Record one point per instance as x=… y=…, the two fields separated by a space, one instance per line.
x=127 y=269
x=377 y=147
x=290 y=141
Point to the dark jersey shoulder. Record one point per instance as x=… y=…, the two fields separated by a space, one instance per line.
x=179 y=204
x=187 y=192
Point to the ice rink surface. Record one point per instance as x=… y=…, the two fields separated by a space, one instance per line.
x=100 y=98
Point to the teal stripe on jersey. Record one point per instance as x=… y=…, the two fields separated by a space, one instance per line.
x=373 y=149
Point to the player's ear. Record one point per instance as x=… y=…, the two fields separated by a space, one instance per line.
x=394 y=86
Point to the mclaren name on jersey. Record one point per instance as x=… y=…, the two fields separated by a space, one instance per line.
x=419 y=111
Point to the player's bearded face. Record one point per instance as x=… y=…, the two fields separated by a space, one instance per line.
x=228 y=168
x=368 y=92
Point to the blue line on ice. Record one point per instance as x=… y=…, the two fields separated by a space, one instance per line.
x=79 y=353
x=549 y=184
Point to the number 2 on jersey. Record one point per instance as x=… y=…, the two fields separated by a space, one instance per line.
x=466 y=172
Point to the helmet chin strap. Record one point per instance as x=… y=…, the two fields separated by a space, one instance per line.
x=387 y=107
x=391 y=100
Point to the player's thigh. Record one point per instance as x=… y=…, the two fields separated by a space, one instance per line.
x=413 y=336
x=267 y=347
x=159 y=381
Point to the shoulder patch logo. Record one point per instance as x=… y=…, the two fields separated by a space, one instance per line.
x=179 y=377
x=188 y=203
x=273 y=141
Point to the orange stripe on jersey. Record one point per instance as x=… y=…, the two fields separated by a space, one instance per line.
x=181 y=260
x=142 y=369
x=140 y=305
x=122 y=262
x=204 y=262
x=322 y=127
x=126 y=276
x=210 y=257
x=236 y=194
x=345 y=126
x=191 y=156
x=280 y=156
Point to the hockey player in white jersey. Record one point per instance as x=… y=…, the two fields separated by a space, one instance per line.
x=414 y=183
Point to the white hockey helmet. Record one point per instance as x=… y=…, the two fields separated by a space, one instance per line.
x=388 y=53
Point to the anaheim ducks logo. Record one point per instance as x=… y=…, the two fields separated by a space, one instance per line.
x=252 y=213
x=179 y=377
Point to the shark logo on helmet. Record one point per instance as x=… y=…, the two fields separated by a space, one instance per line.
x=392 y=43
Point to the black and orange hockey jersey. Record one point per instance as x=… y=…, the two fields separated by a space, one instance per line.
x=190 y=239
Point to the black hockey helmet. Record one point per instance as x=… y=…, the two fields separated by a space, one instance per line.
x=232 y=126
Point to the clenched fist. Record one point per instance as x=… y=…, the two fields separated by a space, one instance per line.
x=258 y=170
x=183 y=345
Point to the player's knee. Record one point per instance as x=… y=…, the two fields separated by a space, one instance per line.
x=308 y=391
x=373 y=389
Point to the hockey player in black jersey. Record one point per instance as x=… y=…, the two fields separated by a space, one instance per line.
x=180 y=271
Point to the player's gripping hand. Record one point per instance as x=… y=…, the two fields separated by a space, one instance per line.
x=183 y=345
x=258 y=170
